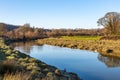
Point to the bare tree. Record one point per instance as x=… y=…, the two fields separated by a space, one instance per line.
x=111 y=22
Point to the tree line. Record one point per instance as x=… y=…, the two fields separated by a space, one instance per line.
x=27 y=32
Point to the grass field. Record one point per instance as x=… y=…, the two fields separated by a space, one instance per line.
x=81 y=37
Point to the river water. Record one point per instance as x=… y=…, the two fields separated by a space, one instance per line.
x=87 y=64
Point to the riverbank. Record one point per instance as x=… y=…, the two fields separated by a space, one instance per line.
x=104 y=47
x=17 y=65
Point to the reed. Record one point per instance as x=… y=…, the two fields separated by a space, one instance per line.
x=17 y=76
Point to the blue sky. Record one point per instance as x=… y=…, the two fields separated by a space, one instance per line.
x=56 y=13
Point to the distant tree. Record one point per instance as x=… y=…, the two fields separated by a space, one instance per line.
x=111 y=22
x=3 y=29
x=26 y=25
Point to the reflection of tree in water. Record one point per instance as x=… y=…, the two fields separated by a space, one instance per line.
x=109 y=61
x=23 y=46
x=26 y=49
x=30 y=43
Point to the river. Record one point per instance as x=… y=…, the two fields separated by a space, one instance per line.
x=87 y=64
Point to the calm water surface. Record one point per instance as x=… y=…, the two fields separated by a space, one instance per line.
x=88 y=65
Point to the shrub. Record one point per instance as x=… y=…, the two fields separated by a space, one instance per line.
x=33 y=72
x=10 y=57
x=23 y=64
x=32 y=60
x=8 y=52
x=50 y=74
x=57 y=71
x=30 y=67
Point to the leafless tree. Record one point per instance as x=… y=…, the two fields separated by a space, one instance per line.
x=111 y=22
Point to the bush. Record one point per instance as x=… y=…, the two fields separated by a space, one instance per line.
x=8 y=52
x=10 y=57
x=57 y=71
x=32 y=60
x=50 y=74
x=33 y=72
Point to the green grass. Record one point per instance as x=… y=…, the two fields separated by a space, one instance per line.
x=81 y=37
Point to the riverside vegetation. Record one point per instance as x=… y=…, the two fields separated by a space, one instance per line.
x=15 y=65
x=93 y=43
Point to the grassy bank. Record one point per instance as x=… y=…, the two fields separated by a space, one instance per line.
x=93 y=43
x=81 y=37
x=15 y=65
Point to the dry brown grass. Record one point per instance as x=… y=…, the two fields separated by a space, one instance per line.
x=8 y=66
x=101 y=46
x=17 y=76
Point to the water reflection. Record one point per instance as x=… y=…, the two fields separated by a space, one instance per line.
x=109 y=61
x=25 y=47
x=26 y=44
